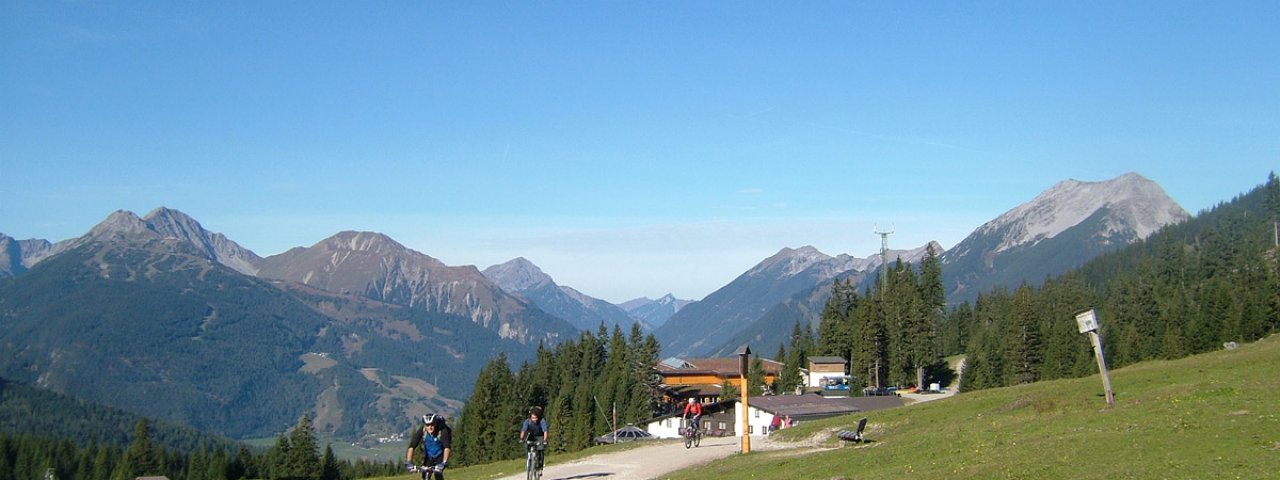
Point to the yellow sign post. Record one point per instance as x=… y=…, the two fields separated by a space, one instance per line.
x=746 y=416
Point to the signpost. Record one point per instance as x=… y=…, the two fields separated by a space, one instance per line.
x=1088 y=323
x=746 y=416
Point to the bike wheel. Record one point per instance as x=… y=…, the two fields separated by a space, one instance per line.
x=531 y=466
x=697 y=439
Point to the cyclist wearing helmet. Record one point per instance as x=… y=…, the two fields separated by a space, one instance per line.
x=535 y=428
x=695 y=409
x=436 y=440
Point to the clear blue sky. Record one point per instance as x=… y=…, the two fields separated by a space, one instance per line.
x=628 y=148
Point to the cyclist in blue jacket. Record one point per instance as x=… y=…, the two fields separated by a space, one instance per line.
x=535 y=428
x=436 y=440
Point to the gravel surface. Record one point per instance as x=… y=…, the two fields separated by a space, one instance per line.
x=647 y=462
x=664 y=456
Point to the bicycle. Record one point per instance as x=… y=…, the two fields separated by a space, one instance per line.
x=533 y=458
x=692 y=436
x=427 y=471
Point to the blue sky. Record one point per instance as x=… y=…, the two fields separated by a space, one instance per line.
x=628 y=148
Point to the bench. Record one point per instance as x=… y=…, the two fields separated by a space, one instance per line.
x=853 y=436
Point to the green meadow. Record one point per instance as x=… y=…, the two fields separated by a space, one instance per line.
x=1215 y=415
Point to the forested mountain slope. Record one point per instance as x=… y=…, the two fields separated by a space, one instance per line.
x=1189 y=288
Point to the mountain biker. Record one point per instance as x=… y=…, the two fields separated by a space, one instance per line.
x=436 y=440
x=693 y=408
x=535 y=428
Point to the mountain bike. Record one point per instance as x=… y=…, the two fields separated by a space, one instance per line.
x=533 y=459
x=428 y=472
x=692 y=436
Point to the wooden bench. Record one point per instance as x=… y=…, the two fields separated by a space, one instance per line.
x=853 y=436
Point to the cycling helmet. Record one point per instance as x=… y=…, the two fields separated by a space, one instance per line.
x=429 y=419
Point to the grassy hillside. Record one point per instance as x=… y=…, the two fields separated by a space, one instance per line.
x=1215 y=415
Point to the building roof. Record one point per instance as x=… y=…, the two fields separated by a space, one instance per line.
x=724 y=367
x=839 y=360
x=707 y=409
x=686 y=391
x=800 y=406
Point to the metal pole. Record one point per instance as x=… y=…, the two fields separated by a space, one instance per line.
x=1102 y=367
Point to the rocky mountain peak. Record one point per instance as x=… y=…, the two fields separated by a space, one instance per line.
x=368 y=242
x=120 y=223
x=171 y=223
x=517 y=275
x=789 y=262
x=1136 y=204
x=168 y=224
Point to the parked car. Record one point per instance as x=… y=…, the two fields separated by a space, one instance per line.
x=624 y=434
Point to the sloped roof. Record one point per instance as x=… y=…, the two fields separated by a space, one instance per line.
x=724 y=367
x=686 y=391
x=839 y=360
x=673 y=362
x=818 y=405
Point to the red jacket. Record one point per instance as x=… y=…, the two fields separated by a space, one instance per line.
x=694 y=407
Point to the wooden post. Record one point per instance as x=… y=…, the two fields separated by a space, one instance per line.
x=1102 y=367
x=746 y=415
x=1088 y=323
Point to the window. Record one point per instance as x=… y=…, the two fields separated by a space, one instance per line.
x=723 y=426
x=668 y=423
x=757 y=414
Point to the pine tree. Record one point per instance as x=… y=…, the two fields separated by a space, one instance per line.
x=141 y=459
x=644 y=400
x=932 y=304
x=279 y=458
x=304 y=451
x=1024 y=338
x=487 y=436
x=755 y=377
x=835 y=329
x=329 y=469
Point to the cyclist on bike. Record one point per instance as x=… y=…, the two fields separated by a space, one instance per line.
x=436 y=440
x=695 y=409
x=535 y=428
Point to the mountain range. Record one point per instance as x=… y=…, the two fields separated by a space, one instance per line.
x=522 y=277
x=1061 y=228
x=158 y=316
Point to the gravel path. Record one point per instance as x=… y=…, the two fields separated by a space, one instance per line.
x=664 y=456
x=647 y=462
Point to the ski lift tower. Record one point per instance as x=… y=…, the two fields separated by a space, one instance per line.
x=884 y=256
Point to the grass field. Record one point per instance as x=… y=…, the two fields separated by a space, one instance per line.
x=1215 y=415
x=1210 y=416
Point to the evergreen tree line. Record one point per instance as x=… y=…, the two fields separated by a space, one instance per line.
x=580 y=385
x=803 y=344
x=1187 y=289
x=295 y=456
x=889 y=333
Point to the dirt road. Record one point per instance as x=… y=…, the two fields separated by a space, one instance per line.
x=653 y=461
x=643 y=463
